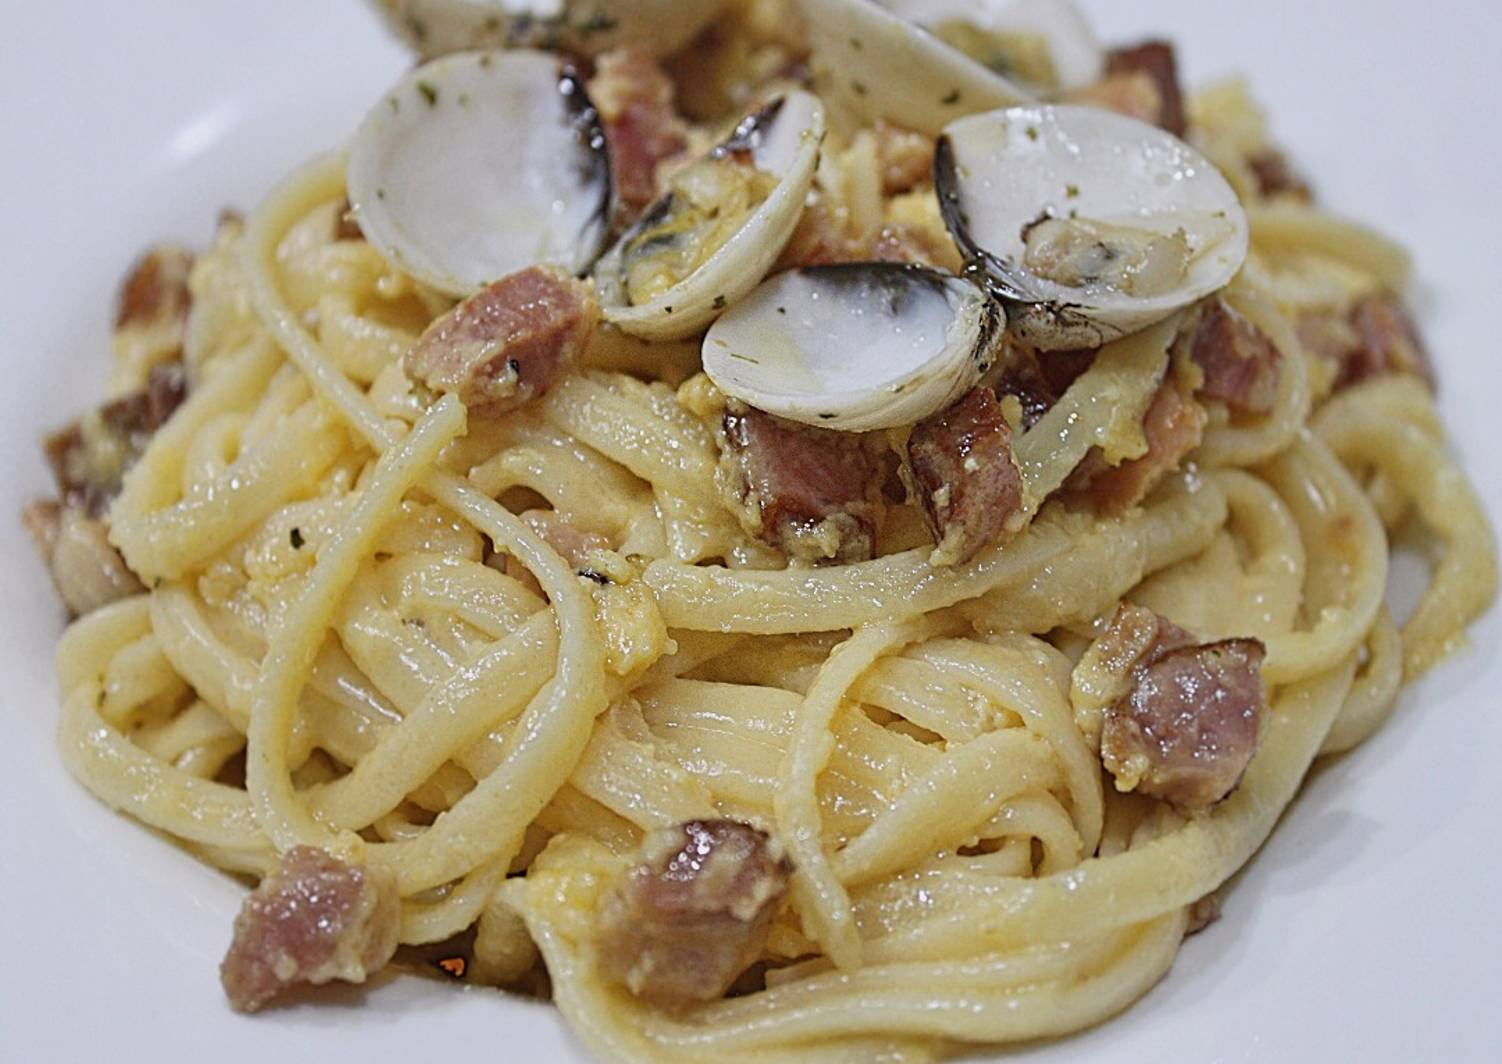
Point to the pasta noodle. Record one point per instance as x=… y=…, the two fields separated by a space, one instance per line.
x=348 y=638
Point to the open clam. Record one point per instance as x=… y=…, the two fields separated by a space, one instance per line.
x=855 y=347
x=579 y=27
x=718 y=229
x=1087 y=224
x=1046 y=46
x=480 y=164
x=879 y=65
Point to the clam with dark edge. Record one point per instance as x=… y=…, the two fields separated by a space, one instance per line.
x=855 y=347
x=578 y=27
x=480 y=164
x=1087 y=224
x=719 y=228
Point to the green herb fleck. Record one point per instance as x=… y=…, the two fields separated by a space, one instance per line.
x=1032 y=132
x=952 y=99
x=1072 y=191
x=429 y=93
x=720 y=302
x=599 y=23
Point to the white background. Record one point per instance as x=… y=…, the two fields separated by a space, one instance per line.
x=1368 y=928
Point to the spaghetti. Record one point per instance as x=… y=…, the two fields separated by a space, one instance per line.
x=346 y=637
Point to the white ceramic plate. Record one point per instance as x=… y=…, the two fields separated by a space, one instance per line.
x=1367 y=929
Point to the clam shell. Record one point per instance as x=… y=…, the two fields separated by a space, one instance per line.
x=577 y=27
x=880 y=66
x=480 y=164
x=1078 y=57
x=999 y=173
x=783 y=140
x=856 y=347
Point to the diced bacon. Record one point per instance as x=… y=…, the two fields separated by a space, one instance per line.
x=572 y=543
x=1276 y=176
x=962 y=467
x=1375 y=337
x=509 y=344
x=1143 y=83
x=1186 y=717
x=1390 y=342
x=90 y=457
x=809 y=492
x=1202 y=914
x=155 y=293
x=819 y=240
x=85 y=567
x=1242 y=365
x=635 y=100
x=1038 y=381
x=1174 y=425
x=346 y=227
x=906 y=158
x=1155 y=59
x=315 y=919
x=693 y=914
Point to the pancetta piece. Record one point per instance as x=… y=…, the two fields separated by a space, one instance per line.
x=90 y=457
x=315 y=919
x=1037 y=381
x=1375 y=337
x=574 y=544
x=154 y=295
x=1276 y=177
x=509 y=344
x=693 y=914
x=635 y=100
x=1182 y=719
x=346 y=225
x=964 y=475
x=85 y=567
x=906 y=158
x=1143 y=83
x=1241 y=364
x=1174 y=426
x=1389 y=342
x=812 y=493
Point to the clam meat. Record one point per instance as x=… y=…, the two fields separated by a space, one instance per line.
x=1087 y=224
x=718 y=229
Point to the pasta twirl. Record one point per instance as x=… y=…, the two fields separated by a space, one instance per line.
x=491 y=658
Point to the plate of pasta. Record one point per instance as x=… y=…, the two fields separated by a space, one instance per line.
x=750 y=530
